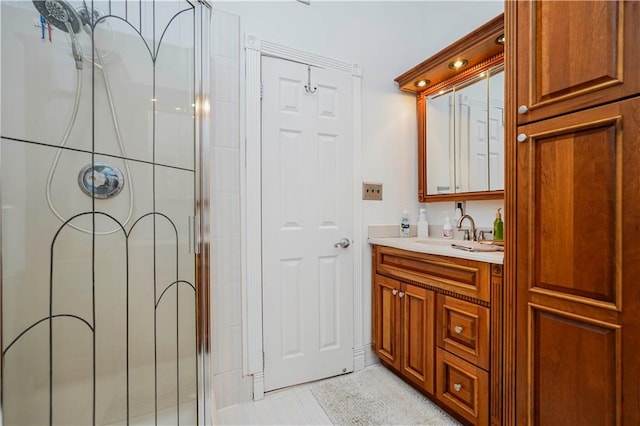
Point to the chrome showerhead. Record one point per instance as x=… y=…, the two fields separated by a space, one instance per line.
x=60 y=14
x=64 y=17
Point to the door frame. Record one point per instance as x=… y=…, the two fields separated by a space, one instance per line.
x=251 y=202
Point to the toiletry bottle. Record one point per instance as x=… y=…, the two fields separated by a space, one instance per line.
x=404 y=224
x=447 y=231
x=498 y=227
x=423 y=225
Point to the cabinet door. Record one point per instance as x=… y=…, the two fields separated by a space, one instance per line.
x=578 y=254
x=387 y=320
x=575 y=54
x=418 y=323
x=463 y=329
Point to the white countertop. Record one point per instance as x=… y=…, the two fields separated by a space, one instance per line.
x=438 y=246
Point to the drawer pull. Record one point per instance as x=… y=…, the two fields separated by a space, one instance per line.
x=402 y=294
x=457 y=329
x=457 y=387
x=394 y=291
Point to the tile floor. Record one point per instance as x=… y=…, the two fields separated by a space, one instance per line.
x=295 y=405
x=290 y=406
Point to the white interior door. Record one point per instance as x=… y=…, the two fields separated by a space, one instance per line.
x=307 y=207
x=474 y=144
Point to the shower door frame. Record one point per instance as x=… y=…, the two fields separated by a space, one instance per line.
x=202 y=74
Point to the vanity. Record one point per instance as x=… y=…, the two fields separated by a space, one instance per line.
x=437 y=322
x=438 y=311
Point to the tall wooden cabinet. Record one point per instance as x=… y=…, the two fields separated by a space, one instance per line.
x=577 y=211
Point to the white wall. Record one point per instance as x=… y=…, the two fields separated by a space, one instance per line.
x=385 y=39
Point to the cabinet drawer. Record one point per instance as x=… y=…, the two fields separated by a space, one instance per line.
x=462 y=276
x=463 y=387
x=464 y=329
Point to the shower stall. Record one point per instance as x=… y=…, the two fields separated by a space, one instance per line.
x=103 y=186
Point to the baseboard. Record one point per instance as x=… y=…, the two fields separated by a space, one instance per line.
x=370 y=358
x=258 y=386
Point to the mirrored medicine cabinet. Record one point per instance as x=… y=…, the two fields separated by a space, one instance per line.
x=460 y=107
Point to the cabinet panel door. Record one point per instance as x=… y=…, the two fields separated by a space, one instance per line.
x=463 y=387
x=464 y=329
x=575 y=54
x=418 y=308
x=578 y=254
x=387 y=321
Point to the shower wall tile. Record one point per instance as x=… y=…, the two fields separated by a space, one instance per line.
x=226 y=169
x=226 y=38
x=226 y=84
x=224 y=353
x=226 y=306
x=226 y=132
x=231 y=388
x=226 y=220
x=226 y=260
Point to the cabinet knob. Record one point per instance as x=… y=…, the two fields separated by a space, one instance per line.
x=523 y=109
x=522 y=137
x=401 y=294
x=457 y=329
x=457 y=387
x=394 y=291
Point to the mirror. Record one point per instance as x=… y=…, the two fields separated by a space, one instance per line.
x=465 y=136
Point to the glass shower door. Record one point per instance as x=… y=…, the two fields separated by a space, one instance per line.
x=100 y=194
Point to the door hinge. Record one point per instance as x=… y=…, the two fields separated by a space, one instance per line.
x=263 y=361
x=261 y=90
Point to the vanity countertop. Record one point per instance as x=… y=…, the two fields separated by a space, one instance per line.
x=438 y=246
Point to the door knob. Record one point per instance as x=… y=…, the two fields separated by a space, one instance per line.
x=457 y=387
x=344 y=243
x=394 y=291
x=457 y=329
x=523 y=109
x=522 y=137
x=401 y=294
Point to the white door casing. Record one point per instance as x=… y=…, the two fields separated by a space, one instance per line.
x=306 y=209
x=251 y=203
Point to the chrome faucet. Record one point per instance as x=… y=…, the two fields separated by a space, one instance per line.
x=473 y=226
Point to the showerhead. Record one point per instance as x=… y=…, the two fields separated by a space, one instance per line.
x=64 y=17
x=60 y=14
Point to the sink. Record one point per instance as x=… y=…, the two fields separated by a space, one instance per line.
x=442 y=243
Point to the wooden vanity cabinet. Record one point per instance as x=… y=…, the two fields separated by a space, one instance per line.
x=437 y=322
x=404 y=329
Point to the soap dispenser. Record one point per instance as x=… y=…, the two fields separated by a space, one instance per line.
x=423 y=225
x=447 y=231
x=498 y=227
x=405 y=228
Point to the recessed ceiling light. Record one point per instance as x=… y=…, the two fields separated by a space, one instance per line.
x=458 y=63
x=421 y=83
x=500 y=39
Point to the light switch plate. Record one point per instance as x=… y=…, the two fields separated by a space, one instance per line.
x=371 y=191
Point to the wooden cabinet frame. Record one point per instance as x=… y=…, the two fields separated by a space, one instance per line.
x=432 y=278
x=480 y=49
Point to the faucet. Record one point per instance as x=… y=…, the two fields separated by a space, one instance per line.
x=473 y=226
